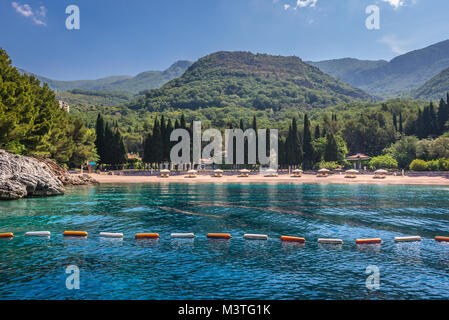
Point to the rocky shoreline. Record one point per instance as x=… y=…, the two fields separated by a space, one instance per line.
x=22 y=176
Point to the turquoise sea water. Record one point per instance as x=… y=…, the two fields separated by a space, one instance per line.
x=34 y=268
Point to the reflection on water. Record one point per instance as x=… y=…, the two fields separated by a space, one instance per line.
x=166 y=268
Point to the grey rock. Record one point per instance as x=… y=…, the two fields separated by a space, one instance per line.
x=22 y=176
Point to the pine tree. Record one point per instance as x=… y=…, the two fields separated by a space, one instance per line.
x=307 y=145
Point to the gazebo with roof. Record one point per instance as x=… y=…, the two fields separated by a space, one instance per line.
x=357 y=160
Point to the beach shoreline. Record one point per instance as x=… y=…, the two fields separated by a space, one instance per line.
x=281 y=179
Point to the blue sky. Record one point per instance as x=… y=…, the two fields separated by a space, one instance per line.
x=127 y=37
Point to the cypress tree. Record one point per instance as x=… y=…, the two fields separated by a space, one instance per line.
x=401 y=128
x=296 y=145
x=108 y=143
x=148 y=149
x=331 y=150
x=157 y=143
x=433 y=125
x=317 y=132
x=99 y=141
x=254 y=126
x=307 y=145
x=183 y=122
x=395 y=122
x=442 y=116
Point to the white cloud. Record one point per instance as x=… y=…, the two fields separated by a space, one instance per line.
x=37 y=16
x=301 y=4
x=398 y=46
x=395 y=3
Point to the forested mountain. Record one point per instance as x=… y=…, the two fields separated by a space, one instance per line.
x=397 y=77
x=435 y=88
x=257 y=81
x=143 y=81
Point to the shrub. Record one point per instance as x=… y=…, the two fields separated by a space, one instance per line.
x=433 y=165
x=328 y=165
x=443 y=164
x=383 y=162
x=419 y=165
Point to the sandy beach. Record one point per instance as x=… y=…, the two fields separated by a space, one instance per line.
x=284 y=178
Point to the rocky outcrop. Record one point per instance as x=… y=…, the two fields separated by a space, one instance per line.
x=22 y=176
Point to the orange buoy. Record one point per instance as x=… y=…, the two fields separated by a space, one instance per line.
x=439 y=239
x=6 y=235
x=219 y=235
x=368 y=241
x=75 y=233
x=293 y=239
x=147 y=235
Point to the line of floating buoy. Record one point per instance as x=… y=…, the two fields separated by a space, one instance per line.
x=293 y=239
x=250 y=236
x=330 y=241
x=182 y=235
x=368 y=241
x=75 y=233
x=219 y=235
x=407 y=239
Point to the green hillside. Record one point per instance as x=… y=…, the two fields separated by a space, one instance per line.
x=143 y=81
x=435 y=88
x=257 y=81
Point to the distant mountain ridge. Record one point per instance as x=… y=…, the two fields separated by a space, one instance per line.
x=345 y=68
x=142 y=81
x=245 y=79
x=396 y=77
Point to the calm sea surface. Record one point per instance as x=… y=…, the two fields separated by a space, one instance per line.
x=35 y=268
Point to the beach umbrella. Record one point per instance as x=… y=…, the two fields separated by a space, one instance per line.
x=352 y=171
x=245 y=171
x=165 y=171
x=192 y=171
x=382 y=171
x=297 y=171
x=324 y=170
x=218 y=170
x=271 y=170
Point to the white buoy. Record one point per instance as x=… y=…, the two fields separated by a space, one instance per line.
x=330 y=241
x=111 y=235
x=38 y=233
x=255 y=236
x=407 y=239
x=182 y=235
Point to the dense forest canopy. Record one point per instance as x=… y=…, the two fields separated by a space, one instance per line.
x=32 y=123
